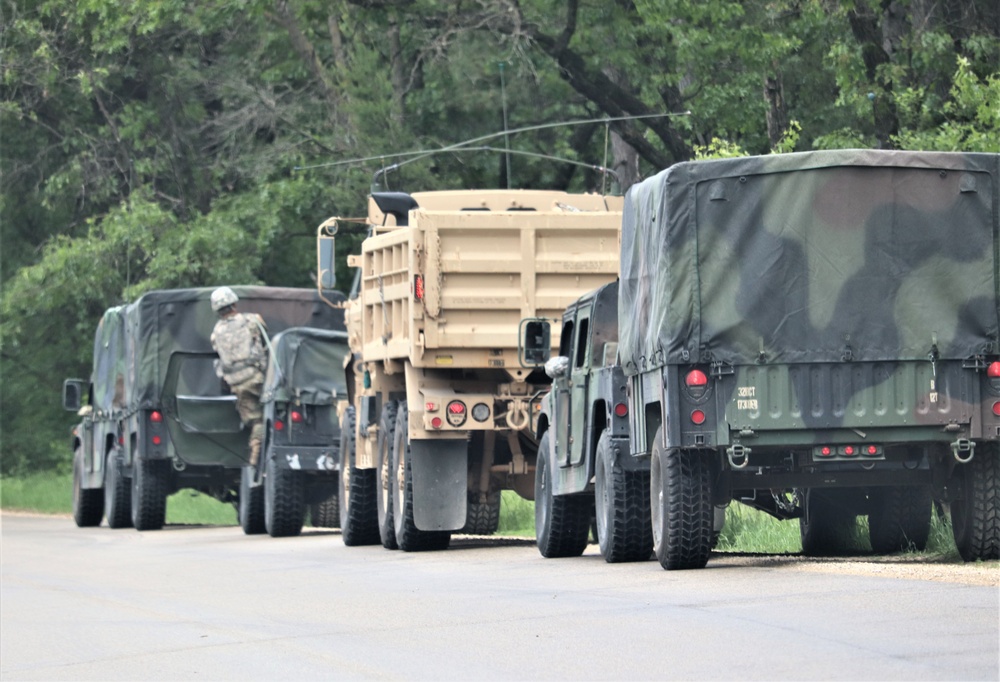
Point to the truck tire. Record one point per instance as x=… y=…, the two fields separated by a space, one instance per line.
x=284 y=500
x=482 y=518
x=621 y=500
x=385 y=476
x=88 y=503
x=358 y=512
x=150 y=486
x=409 y=538
x=117 y=493
x=251 y=503
x=326 y=514
x=681 y=506
x=562 y=522
x=827 y=525
x=975 y=517
x=899 y=518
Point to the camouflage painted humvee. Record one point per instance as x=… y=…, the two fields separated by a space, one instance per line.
x=298 y=473
x=816 y=335
x=584 y=470
x=158 y=418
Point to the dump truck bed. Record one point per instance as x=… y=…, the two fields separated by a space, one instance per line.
x=451 y=287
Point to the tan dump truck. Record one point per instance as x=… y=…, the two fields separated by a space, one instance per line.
x=441 y=408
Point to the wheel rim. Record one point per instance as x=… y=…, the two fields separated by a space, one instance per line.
x=541 y=494
x=603 y=495
x=398 y=481
x=656 y=500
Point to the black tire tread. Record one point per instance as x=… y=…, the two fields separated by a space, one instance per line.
x=150 y=487
x=976 y=516
x=326 y=514
x=629 y=526
x=386 y=433
x=284 y=501
x=900 y=519
x=88 y=503
x=827 y=526
x=565 y=530
x=251 y=504
x=482 y=518
x=409 y=538
x=358 y=512
x=687 y=513
x=117 y=493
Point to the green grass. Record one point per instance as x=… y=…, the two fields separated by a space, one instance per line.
x=746 y=529
x=53 y=494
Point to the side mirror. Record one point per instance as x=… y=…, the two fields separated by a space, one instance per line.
x=534 y=342
x=326 y=267
x=73 y=392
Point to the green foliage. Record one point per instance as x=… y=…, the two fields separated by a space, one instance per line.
x=154 y=144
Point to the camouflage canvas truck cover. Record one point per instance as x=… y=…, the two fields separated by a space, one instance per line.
x=96 y=439
x=177 y=426
x=443 y=408
x=824 y=323
x=298 y=471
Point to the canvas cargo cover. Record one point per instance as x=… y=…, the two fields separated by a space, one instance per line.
x=109 y=362
x=811 y=257
x=307 y=366
x=180 y=321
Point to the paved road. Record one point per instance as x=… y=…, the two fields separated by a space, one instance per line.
x=212 y=604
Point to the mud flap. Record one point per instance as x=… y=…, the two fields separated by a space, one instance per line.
x=440 y=477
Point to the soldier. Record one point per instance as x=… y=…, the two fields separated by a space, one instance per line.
x=239 y=340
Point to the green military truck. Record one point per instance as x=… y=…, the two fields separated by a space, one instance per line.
x=297 y=474
x=156 y=418
x=816 y=335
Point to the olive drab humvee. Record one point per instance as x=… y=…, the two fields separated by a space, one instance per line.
x=442 y=412
x=816 y=335
x=158 y=418
x=298 y=472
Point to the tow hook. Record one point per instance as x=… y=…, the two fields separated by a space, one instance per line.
x=964 y=450
x=739 y=456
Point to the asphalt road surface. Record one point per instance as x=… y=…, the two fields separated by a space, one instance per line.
x=198 y=603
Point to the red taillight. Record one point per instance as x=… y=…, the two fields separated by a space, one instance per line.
x=436 y=422
x=157 y=440
x=296 y=417
x=456 y=407
x=418 y=287
x=872 y=450
x=993 y=371
x=279 y=425
x=826 y=451
x=157 y=417
x=621 y=409
x=698 y=417
x=996 y=408
x=849 y=450
x=696 y=378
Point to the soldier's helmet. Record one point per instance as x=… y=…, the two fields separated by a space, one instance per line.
x=223 y=297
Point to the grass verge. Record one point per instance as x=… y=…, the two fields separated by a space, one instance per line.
x=746 y=529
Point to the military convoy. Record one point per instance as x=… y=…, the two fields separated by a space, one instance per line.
x=441 y=418
x=156 y=418
x=814 y=335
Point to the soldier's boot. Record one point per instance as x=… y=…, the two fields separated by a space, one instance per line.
x=254 y=452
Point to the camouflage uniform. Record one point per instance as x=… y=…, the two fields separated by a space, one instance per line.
x=239 y=341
